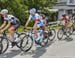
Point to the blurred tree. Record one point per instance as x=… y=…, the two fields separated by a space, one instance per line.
x=19 y=7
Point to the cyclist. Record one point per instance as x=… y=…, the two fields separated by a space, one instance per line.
x=65 y=20
x=10 y=22
x=39 y=21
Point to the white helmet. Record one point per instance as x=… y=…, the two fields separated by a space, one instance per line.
x=32 y=11
x=4 y=11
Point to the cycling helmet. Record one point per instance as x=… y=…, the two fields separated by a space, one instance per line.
x=64 y=15
x=4 y=11
x=32 y=11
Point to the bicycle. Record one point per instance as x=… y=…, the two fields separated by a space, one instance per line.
x=43 y=37
x=51 y=33
x=1 y=47
x=19 y=43
x=63 y=31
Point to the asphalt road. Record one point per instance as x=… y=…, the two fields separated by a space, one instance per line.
x=56 y=49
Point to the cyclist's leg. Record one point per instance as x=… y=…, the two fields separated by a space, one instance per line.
x=45 y=25
x=41 y=24
x=35 y=30
x=12 y=30
x=65 y=25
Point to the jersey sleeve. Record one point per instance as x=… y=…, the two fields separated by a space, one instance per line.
x=10 y=18
x=37 y=16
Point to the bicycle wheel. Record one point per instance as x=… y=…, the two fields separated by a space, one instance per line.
x=60 y=34
x=69 y=32
x=20 y=38
x=43 y=41
x=5 y=44
x=51 y=34
x=26 y=43
x=1 y=46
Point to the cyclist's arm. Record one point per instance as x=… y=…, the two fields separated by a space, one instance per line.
x=35 y=24
x=3 y=25
x=28 y=21
x=8 y=25
x=45 y=21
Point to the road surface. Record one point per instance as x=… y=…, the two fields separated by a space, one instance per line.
x=56 y=49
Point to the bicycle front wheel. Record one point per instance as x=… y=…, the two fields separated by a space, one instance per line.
x=26 y=42
x=60 y=34
x=51 y=34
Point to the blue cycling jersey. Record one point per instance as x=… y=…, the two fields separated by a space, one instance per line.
x=39 y=18
x=36 y=17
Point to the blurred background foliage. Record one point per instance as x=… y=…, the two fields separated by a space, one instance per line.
x=19 y=8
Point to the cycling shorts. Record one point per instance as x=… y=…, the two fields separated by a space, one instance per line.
x=41 y=24
x=15 y=27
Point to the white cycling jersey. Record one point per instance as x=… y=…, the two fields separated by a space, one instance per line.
x=12 y=19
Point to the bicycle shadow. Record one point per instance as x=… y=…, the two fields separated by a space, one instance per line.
x=11 y=54
x=68 y=39
x=73 y=33
x=39 y=51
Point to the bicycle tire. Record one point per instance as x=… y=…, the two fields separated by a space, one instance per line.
x=45 y=40
x=50 y=33
x=59 y=33
x=1 y=47
x=23 y=47
x=69 y=32
x=7 y=44
x=18 y=44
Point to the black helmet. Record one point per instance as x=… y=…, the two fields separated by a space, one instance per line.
x=64 y=15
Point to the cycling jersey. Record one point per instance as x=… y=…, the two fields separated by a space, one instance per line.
x=66 y=21
x=66 y=18
x=38 y=18
x=14 y=21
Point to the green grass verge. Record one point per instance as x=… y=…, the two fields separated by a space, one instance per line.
x=21 y=29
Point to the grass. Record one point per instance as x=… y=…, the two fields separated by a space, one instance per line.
x=21 y=29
